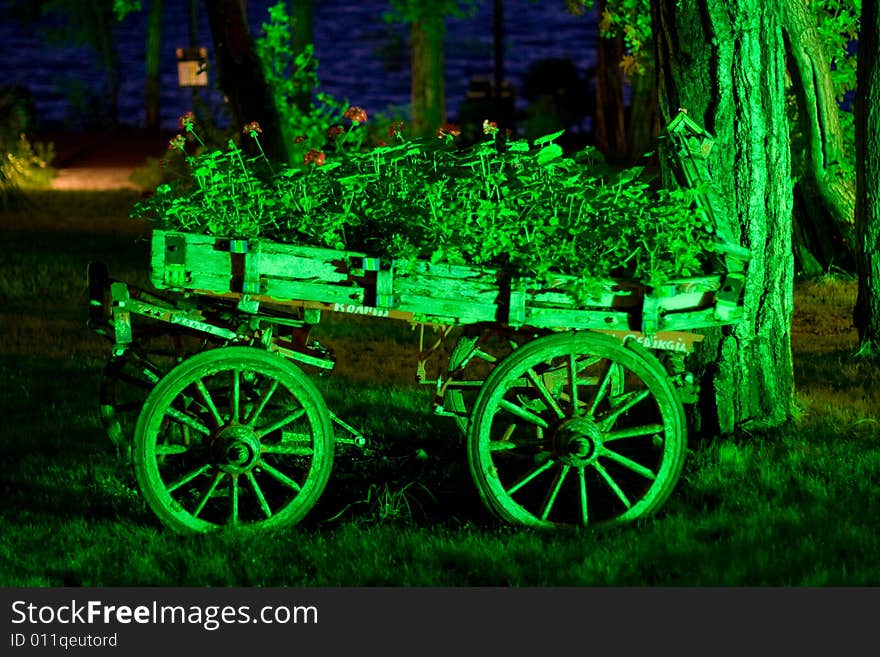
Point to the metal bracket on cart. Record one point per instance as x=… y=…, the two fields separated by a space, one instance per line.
x=355 y=437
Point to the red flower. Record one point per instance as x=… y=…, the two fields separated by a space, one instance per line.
x=299 y=140
x=314 y=156
x=381 y=143
x=253 y=129
x=489 y=127
x=177 y=141
x=448 y=130
x=186 y=122
x=396 y=128
x=356 y=114
x=334 y=131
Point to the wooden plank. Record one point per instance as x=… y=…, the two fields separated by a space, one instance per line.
x=322 y=265
x=678 y=341
x=285 y=290
x=690 y=320
x=452 y=311
x=558 y=318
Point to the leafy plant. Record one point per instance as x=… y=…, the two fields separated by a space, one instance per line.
x=501 y=203
x=289 y=75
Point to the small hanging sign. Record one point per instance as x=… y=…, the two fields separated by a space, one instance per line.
x=191 y=67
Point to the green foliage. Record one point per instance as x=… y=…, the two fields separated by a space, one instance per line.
x=24 y=165
x=838 y=25
x=122 y=8
x=290 y=75
x=409 y=11
x=630 y=19
x=525 y=207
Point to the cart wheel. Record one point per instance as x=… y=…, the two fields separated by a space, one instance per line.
x=233 y=437
x=475 y=355
x=576 y=429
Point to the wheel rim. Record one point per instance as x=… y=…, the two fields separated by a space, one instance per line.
x=233 y=438
x=576 y=429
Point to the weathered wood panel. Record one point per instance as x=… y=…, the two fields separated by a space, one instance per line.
x=438 y=293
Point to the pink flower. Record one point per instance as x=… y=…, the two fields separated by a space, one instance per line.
x=396 y=128
x=381 y=143
x=334 y=131
x=313 y=156
x=356 y=114
x=253 y=129
x=177 y=141
x=489 y=127
x=299 y=139
x=448 y=130
x=186 y=122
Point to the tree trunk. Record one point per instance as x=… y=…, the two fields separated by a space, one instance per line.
x=725 y=63
x=302 y=13
x=101 y=24
x=428 y=79
x=240 y=75
x=644 y=115
x=153 y=60
x=824 y=194
x=609 y=127
x=867 y=310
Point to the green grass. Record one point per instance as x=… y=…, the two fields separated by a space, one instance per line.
x=796 y=506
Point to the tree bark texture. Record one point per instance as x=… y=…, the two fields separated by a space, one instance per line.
x=824 y=194
x=152 y=61
x=302 y=13
x=428 y=78
x=101 y=21
x=609 y=128
x=239 y=73
x=644 y=116
x=724 y=61
x=867 y=310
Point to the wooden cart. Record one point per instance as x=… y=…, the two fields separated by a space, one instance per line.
x=572 y=410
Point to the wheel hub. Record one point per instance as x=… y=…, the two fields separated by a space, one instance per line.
x=236 y=449
x=577 y=441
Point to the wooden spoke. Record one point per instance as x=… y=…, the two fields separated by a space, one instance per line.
x=188 y=420
x=557 y=485
x=633 y=432
x=545 y=394
x=233 y=512
x=264 y=399
x=208 y=493
x=185 y=479
x=279 y=476
x=283 y=422
x=236 y=395
x=261 y=499
x=572 y=381
x=628 y=401
x=534 y=473
x=209 y=402
x=612 y=484
x=528 y=416
x=629 y=464
x=166 y=449
x=582 y=485
x=290 y=450
x=602 y=391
